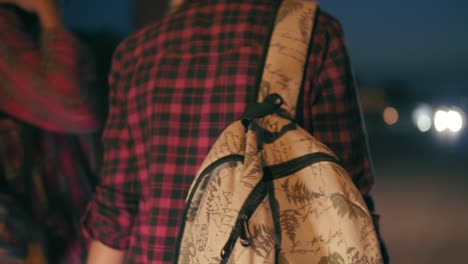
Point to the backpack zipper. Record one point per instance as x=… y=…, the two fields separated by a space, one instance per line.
x=241 y=229
x=245 y=235
x=203 y=174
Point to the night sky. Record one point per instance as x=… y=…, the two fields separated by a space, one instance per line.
x=421 y=41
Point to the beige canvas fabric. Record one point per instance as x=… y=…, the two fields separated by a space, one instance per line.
x=272 y=193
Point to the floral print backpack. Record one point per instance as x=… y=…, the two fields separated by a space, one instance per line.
x=268 y=192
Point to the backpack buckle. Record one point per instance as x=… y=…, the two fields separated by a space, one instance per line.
x=270 y=105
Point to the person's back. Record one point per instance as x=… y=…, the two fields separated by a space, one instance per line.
x=175 y=86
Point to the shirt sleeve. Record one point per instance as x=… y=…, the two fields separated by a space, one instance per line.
x=47 y=82
x=332 y=113
x=110 y=216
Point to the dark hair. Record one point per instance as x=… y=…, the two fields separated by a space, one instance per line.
x=30 y=21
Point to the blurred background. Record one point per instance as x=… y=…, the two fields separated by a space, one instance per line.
x=410 y=60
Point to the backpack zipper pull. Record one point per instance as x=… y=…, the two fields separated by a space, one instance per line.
x=245 y=238
x=245 y=235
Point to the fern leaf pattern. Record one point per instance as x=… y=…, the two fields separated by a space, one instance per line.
x=346 y=207
x=298 y=194
x=333 y=258
x=264 y=239
x=290 y=223
x=356 y=257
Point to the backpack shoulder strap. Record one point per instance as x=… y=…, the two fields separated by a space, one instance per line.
x=288 y=52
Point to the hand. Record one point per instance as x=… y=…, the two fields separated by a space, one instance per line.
x=100 y=253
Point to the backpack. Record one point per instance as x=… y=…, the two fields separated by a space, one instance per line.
x=268 y=191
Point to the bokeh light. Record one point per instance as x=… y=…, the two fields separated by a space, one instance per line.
x=449 y=120
x=390 y=116
x=455 y=121
x=422 y=117
x=424 y=123
x=440 y=121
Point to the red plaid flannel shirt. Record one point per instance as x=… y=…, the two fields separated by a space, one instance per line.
x=175 y=86
x=44 y=84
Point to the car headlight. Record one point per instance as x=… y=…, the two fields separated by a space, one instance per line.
x=452 y=120
x=422 y=117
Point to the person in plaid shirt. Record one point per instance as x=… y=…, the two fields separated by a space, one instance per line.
x=48 y=146
x=175 y=85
